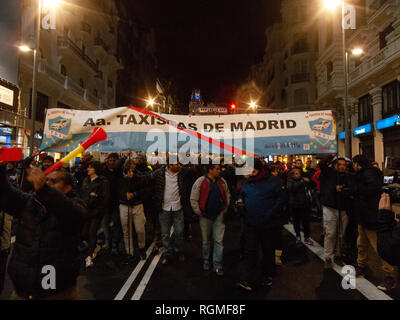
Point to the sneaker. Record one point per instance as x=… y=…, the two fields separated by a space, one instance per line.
x=360 y=272
x=308 y=241
x=206 y=266
x=387 y=284
x=88 y=262
x=245 y=286
x=219 y=272
x=164 y=261
x=142 y=253
x=267 y=281
x=181 y=257
x=328 y=263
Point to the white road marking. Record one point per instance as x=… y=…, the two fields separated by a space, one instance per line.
x=146 y=278
x=365 y=287
x=121 y=294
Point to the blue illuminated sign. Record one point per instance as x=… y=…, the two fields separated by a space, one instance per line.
x=342 y=135
x=388 y=122
x=363 y=129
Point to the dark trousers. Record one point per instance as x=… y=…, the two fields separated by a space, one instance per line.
x=116 y=228
x=89 y=233
x=254 y=239
x=3 y=265
x=301 y=216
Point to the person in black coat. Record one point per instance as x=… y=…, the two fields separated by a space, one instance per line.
x=95 y=193
x=368 y=190
x=388 y=232
x=47 y=235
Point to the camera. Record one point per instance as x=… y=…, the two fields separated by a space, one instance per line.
x=392 y=189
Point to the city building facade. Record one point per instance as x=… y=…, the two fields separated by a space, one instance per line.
x=77 y=64
x=373 y=82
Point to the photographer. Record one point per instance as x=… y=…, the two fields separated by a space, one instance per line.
x=388 y=232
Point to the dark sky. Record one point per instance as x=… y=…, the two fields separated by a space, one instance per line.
x=208 y=44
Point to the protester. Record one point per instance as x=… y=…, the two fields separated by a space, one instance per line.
x=95 y=193
x=261 y=197
x=300 y=203
x=132 y=211
x=80 y=171
x=111 y=223
x=368 y=185
x=210 y=199
x=47 y=162
x=388 y=232
x=335 y=184
x=5 y=243
x=47 y=235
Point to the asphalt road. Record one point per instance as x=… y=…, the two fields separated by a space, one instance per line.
x=301 y=277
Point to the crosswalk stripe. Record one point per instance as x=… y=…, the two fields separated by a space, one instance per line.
x=362 y=285
x=121 y=294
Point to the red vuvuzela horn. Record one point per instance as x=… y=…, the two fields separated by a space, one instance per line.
x=97 y=135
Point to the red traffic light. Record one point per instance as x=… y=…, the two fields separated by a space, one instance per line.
x=233 y=106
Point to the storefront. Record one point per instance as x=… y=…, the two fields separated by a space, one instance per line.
x=390 y=128
x=365 y=135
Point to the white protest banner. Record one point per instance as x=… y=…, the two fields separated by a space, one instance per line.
x=140 y=130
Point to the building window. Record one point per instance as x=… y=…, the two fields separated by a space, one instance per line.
x=110 y=84
x=63 y=70
x=96 y=93
x=42 y=103
x=365 y=112
x=329 y=32
x=329 y=70
x=82 y=83
x=383 y=34
x=283 y=95
x=391 y=98
x=300 y=45
x=300 y=97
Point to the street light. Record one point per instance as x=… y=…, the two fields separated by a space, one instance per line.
x=48 y=4
x=357 y=52
x=332 y=5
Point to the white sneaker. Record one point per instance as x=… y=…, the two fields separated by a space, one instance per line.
x=89 y=262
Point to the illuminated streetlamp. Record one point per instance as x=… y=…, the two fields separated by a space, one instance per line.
x=24 y=48
x=357 y=52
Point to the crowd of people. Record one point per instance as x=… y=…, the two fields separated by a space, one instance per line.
x=118 y=204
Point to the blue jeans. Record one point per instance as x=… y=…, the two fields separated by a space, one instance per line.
x=167 y=220
x=217 y=228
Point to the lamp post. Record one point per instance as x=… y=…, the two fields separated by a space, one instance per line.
x=34 y=80
x=332 y=5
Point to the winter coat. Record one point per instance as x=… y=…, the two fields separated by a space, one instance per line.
x=368 y=189
x=113 y=178
x=329 y=179
x=95 y=194
x=200 y=194
x=131 y=186
x=48 y=234
x=299 y=193
x=388 y=233
x=157 y=180
x=263 y=200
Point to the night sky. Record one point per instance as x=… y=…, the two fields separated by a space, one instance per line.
x=209 y=45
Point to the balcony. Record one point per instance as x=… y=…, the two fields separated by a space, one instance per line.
x=300 y=77
x=64 y=42
x=381 y=11
x=86 y=27
x=385 y=58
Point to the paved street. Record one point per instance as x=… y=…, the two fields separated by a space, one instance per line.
x=302 y=276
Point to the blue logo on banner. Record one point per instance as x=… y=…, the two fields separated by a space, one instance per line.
x=322 y=130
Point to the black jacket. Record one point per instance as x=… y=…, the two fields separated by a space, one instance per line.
x=368 y=189
x=388 y=238
x=298 y=192
x=114 y=178
x=95 y=194
x=48 y=234
x=157 y=180
x=133 y=186
x=329 y=179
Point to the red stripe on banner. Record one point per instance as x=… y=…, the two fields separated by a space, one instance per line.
x=198 y=135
